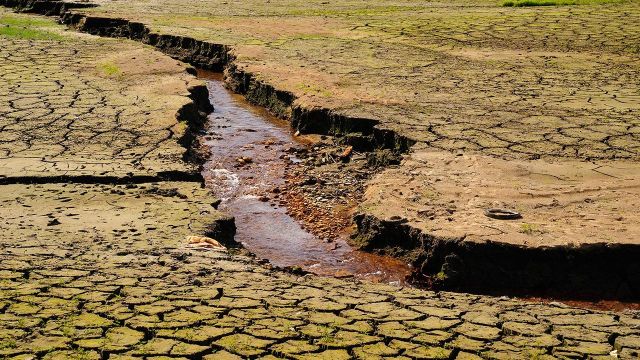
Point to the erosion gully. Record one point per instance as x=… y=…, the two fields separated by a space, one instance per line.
x=237 y=131
x=249 y=154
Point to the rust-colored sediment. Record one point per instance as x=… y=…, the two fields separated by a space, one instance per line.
x=250 y=155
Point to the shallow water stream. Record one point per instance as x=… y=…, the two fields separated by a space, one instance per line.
x=238 y=130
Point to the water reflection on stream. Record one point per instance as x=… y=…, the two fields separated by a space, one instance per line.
x=240 y=130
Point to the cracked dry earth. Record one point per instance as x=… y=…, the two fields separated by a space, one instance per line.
x=80 y=303
x=456 y=75
x=81 y=105
x=100 y=271
x=534 y=109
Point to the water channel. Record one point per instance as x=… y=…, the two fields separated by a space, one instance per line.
x=248 y=147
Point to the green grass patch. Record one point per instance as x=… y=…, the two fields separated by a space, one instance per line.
x=522 y=3
x=28 y=34
x=109 y=69
x=26 y=22
x=28 y=29
x=312 y=90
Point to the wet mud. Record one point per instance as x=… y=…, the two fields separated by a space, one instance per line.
x=250 y=150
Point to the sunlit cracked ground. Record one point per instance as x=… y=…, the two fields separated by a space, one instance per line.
x=80 y=105
x=93 y=271
x=555 y=84
x=473 y=76
x=70 y=303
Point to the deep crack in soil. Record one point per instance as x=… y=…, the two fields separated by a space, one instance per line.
x=251 y=153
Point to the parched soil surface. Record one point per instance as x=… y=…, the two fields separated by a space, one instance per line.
x=521 y=82
x=512 y=90
x=80 y=114
x=81 y=106
x=96 y=265
x=577 y=230
x=98 y=296
x=96 y=299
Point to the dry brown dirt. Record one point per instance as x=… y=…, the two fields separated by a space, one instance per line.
x=93 y=270
x=536 y=85
x=561 y=201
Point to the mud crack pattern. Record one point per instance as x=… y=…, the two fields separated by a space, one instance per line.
x=76 y=106
x=92 y=271
x=72 y=303
x=458 y=76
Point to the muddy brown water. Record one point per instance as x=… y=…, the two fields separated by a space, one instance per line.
x=239 y=130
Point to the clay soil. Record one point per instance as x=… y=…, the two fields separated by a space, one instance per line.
x=94 y=261
x=535 y=109
x=456 y=75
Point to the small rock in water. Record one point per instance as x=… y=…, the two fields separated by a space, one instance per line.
x=244 y=160
x=346 y=154
x=205 y=242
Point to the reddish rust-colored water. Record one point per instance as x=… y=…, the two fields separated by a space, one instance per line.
x=240 y=130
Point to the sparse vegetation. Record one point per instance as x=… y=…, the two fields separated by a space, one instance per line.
x=313 y=90
x=32 y=22
x=8 y=344
x=528 y=229
x=109 y=69
x=27 y=29
x=367 y=10
x=327 y=336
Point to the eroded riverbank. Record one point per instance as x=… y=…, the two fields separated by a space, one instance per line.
x=255 y=170
x=250 y=150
